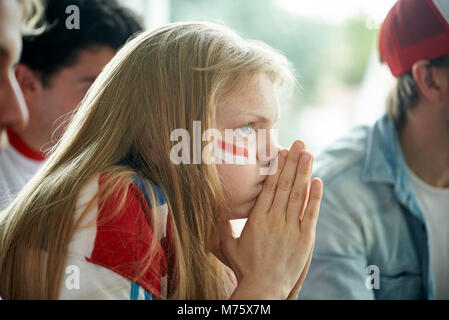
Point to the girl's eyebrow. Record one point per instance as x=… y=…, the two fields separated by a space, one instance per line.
x=237 y=117
x=261 y=116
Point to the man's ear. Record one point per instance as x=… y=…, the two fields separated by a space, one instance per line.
x=29 y=82
x=431 y=81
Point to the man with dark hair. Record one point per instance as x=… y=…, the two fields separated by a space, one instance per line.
x=56 y=69
x=383 y=231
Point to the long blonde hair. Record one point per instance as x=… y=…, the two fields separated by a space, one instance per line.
x=159 y=81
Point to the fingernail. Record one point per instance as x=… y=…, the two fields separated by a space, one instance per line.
x=306 y=156
x=298 y=145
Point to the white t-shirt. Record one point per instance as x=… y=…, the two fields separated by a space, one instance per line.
x=434 y=203
x=18 y=164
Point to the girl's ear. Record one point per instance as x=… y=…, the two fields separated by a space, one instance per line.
x=29 y=82
x=431 y=81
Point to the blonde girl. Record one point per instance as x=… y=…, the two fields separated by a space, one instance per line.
x=111 y=215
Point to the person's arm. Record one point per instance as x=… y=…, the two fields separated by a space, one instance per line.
x=338 y=267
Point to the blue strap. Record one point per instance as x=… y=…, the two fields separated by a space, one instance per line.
x=134 y=291
x=160 y=197
x=148 y=296
x=134 y=294
x=160 y=200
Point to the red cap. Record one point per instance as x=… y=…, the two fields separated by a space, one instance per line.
x=414 y=30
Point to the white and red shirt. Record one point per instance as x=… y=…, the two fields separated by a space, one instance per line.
x=18 y=163
x=106 y=258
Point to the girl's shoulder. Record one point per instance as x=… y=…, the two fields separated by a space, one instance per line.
x=122 y=231
x=133 y=200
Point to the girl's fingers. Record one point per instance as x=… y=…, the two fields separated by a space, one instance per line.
x=287 y=178
x=265 y=198
x=308 y=223
x=299 y=194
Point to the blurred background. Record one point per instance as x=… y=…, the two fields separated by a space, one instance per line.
x=332 y=45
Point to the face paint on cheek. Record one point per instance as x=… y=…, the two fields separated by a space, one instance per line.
x=231 y=153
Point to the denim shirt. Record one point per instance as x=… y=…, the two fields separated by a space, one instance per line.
x=369 y=217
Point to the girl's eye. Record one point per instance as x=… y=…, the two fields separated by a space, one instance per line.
x=246 y=129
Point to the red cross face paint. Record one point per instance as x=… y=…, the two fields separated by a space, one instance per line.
x=231 y=153
x=229 y=147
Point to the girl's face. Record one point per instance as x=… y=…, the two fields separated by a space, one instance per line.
x=246 y=111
